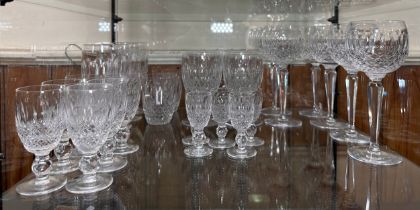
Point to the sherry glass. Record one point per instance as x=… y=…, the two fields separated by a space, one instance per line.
x=198 y=105
x=38 y=124
x=241 y=114
x=339 y=54
x=377 y=48
x=252 y=140
x=108 y=162
x=220 y=112
x=62 y=152
x=89 y=112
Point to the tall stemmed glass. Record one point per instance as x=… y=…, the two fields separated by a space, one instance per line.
x=220 y=112
x=201 y=71
x=377 y=48
x=322 y=54
x=284 y=43
x=252 y=140
x=88 y=109
x=337 y=47
x=62 y=152
x=38 y=124
x=198 y=105
x=241 y=114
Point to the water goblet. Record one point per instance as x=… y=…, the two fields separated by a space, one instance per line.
x=252 y=140
x=220 y=112
x=198 y=105
x=38 y=116
x=88 y=110
x=96 y=59
x=241 y=114
x=377 y=48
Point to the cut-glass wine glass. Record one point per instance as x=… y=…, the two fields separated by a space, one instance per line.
x=252 y=140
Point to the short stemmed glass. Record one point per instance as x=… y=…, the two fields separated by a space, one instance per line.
x=336 y=45
x=252 y=140
x=198 y=105
x=108 y=162
x=96 y=59
x=377 y=48
x=38 y=116
x=220 y=112
x=62 y=152
x=88 y=110
x=241 y=114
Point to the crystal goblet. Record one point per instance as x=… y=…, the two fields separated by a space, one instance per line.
x=252 y=140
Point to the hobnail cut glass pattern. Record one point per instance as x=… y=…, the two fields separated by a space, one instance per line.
x=318 y=43
x=377 y=47
x=243 y=71
x=257 y=104
x=241 y=109
x=198 y=105
x=338 y=50
x=220 y=108
x=201 y=71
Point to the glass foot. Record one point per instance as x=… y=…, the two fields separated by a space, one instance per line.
x=126 y=149
x=53 y=183
x=217 y=144
x=383 y=156
x=187 y=141
x=198 y=152
x=255 y=142
x=79 y=186
x=274 y=112
x=116 y=164
x=236 y=153
x=311 y=113
x=283 y=123
x=71 y=166
x=329 y=124
x=346 y=136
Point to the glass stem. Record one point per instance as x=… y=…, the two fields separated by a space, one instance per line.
x=221 y=132
x=315 y=78
x=282 y=78
x=106 y=151
x=351 y=88
x=198 y=138
x=375 y=98
x=240 y=141
x=62 y=152
x=373 y=193
x=41 y=168
x=88 y=165
x=121 y=137
x=330 y=76
x=250 y=132
x=274 y=86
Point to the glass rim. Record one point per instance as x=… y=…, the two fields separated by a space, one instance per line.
x=48 y=82
x=108 y=86
x=375 y=21
x=37 y=88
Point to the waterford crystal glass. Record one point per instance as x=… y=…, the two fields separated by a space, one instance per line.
x=38 y=124
x=62 y=152
x=252 y=140
x=336 y=45
x=198 y=105
x=377 y=48
x=241 y=114
x=96 y=59
x=220 y=112
x=88 y=109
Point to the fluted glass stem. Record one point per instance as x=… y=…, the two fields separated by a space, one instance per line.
x=351 y=87
x=315 y=78
x=375 y=98
x=373 y=193
x=282 y=78
x=274 y=85
x=330 y=76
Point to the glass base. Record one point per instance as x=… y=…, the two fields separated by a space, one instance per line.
x=75 y=154
x=283 y=123
x=211 y=123
x=329 y=124
x=53 y=183
x=384 y=156
x=126 y=149
x=72 y=165
x=236 y=153
x=274 y=112
x=346 y=136
x=116 y=164
x=187 y=141
x=256 y=142
x=216 y=144
x=78 y=186
x=311 y=113
x=198 y=152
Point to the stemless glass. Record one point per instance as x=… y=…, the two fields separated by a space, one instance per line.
x=62 y=152
x=377 y=48
x=198 y=105
x=38 y=116
x=252 y=140
x=339 y=54
x=88 y=109
x=241 y=114
x=220 y=112
x=96 y=59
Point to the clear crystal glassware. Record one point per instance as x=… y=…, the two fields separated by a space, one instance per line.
x=198 y=105
x=241 y=114
x=321 y=35
x=62 y=152
x=38 y=115
x=284 y=42
x=377 y=48
x=161 y=95
x=337 y=47
x=108 y=162
x=252 y=140
x=96 y=59
x=220 y=112
x=89 y=112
